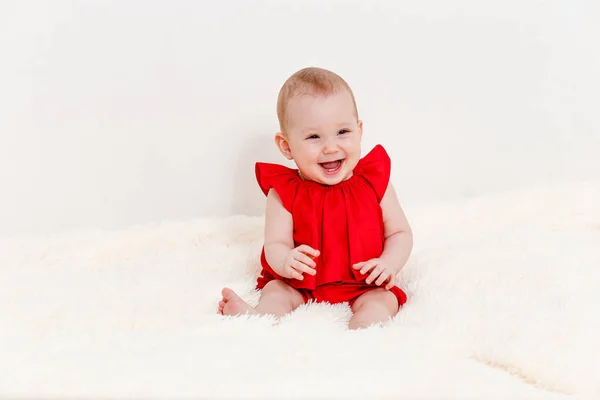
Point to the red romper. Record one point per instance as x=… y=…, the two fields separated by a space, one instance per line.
x=344 y=222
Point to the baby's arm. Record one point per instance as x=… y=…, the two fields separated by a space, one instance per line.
x=397 y=231
x=286 y=261
x=397 y=247
x=278 y=231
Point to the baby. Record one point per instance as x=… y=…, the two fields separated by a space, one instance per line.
x=334 y=229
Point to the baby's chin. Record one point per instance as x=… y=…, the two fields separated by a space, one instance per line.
x=327 y=177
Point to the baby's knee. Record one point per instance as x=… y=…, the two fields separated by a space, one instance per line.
x=377 y=301
x=277 y=286
x=281 y=289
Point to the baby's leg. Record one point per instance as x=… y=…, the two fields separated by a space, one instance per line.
x=373 y=307
x=277 y=298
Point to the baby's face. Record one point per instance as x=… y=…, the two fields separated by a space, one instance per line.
x=324 y=136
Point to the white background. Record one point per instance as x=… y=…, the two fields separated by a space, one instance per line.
x=115 y=113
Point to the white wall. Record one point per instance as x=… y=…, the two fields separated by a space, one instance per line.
x=121 y=112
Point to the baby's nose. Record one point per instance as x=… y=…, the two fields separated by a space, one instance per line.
x=330 y=148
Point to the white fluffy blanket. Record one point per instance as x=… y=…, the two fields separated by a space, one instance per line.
x=503 y=303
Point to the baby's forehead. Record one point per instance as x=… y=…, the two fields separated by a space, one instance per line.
x=317 y=118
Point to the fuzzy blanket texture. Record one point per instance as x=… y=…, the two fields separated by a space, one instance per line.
x=502 y=289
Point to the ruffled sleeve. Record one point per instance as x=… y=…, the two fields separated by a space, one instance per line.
x=282 y=179
x=375 y=168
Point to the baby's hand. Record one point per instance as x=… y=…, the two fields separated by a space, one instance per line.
x=382 y=271
x=300 y=260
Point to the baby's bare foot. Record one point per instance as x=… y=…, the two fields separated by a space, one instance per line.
x=232 y=304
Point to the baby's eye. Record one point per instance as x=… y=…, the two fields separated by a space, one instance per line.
x=312 y=137
x=341 y=132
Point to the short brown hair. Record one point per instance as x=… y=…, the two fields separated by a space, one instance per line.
x=312 y=81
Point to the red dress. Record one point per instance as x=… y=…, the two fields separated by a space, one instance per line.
x=344 y=222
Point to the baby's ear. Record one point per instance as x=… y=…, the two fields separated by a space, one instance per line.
x=283 y=145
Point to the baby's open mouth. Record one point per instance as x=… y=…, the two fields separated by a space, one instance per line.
x=332 y=167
